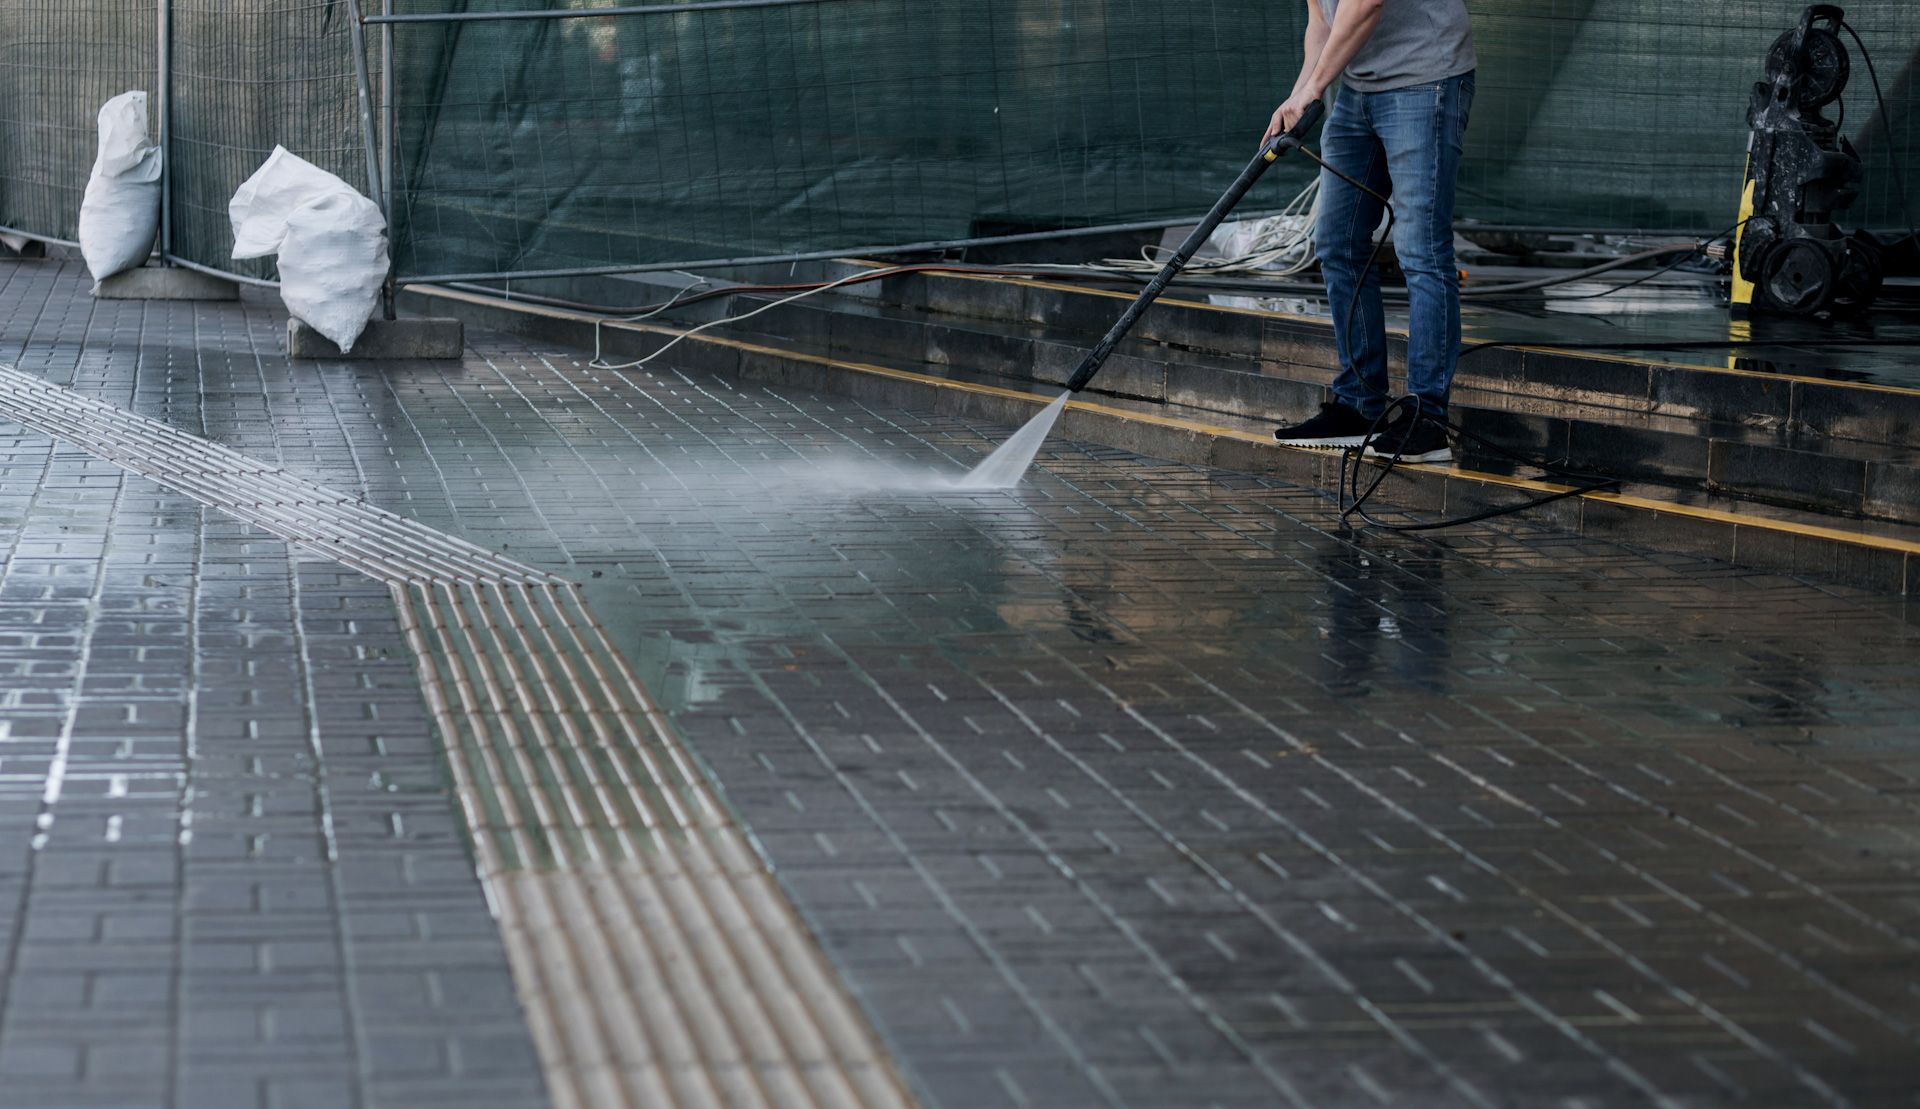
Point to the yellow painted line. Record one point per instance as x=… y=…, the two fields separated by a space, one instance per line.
x=1216 y=431
x=1319 y=321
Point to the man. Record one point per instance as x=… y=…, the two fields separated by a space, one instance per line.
x=1406 y=68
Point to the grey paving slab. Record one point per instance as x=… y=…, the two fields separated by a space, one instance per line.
x=233 y=875
x=1141 y=785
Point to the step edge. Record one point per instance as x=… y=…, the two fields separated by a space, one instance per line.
x=1626 y=500
x=1864 y=451
x=1401 y=333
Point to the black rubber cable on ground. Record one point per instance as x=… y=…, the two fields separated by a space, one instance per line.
x=1349 y=464
x=1685 y=250
x=1582 y=482
x=1594 y=483
x=1687 y=254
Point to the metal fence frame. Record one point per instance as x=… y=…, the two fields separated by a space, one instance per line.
x=379 y=125
x=378 y=114
x=387 y=21
x=162 y=100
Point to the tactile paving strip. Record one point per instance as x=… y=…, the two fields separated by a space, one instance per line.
x=659 y=963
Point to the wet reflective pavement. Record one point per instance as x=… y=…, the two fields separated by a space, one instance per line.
x=1140 y=785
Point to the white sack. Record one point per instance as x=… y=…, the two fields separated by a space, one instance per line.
x=260 y=209
x=332 y=264
x=332 y=243
x=120 y=214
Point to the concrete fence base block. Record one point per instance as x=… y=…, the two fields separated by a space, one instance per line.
x=383 y=339
x=19 y=246
x=166 y=283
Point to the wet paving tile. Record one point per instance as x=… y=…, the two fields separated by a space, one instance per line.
x=1141 y=784
x=231 y=865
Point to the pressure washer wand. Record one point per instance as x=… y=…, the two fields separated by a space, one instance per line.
x=1268 y=155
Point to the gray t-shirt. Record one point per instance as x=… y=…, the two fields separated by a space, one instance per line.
x=1415 y=42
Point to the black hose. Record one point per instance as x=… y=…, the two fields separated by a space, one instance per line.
x=1886 y=125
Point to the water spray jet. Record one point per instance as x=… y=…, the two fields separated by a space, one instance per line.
x=1002 y=469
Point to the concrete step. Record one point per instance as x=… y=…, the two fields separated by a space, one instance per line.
x=1752 y=460
x=1805 y=397
x=1865 y=554
x=1707 y=388
x=1793 y=469
x=1796 y=391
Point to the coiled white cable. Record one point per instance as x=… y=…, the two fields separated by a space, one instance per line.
x=1282 y=245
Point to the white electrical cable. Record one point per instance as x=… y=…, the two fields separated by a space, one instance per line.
x=698 y=284
x=1285 y=238
x=600 y=363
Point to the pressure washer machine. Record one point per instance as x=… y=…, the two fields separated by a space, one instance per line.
x=1790 y=256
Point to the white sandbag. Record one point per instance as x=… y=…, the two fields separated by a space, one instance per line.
x=332 y=264
x=259 y=210
x=120 y=213
x=332 y=243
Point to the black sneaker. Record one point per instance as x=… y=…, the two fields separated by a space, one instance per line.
x=1337 y=425
x=1412 y=437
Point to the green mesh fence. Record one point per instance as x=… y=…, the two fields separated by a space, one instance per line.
x=613 y=141
x=786 y=129
x=248 y=76
x=811 y=127
x=59 y=61
x=1632 y=113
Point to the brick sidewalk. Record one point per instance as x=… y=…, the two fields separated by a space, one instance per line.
x=234 y=879
x=1141 y=785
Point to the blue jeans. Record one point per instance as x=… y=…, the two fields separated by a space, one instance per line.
x=1405 y=144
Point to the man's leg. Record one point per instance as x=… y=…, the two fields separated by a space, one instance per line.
x=1344 y=239
x=1422 y=129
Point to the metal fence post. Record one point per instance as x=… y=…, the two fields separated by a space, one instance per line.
x=369 y=134
x=357 y=29
x=163 y=95
x=389 y=148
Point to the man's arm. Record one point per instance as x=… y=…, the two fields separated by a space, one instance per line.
x=1328 y=50
x=1316 y=43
